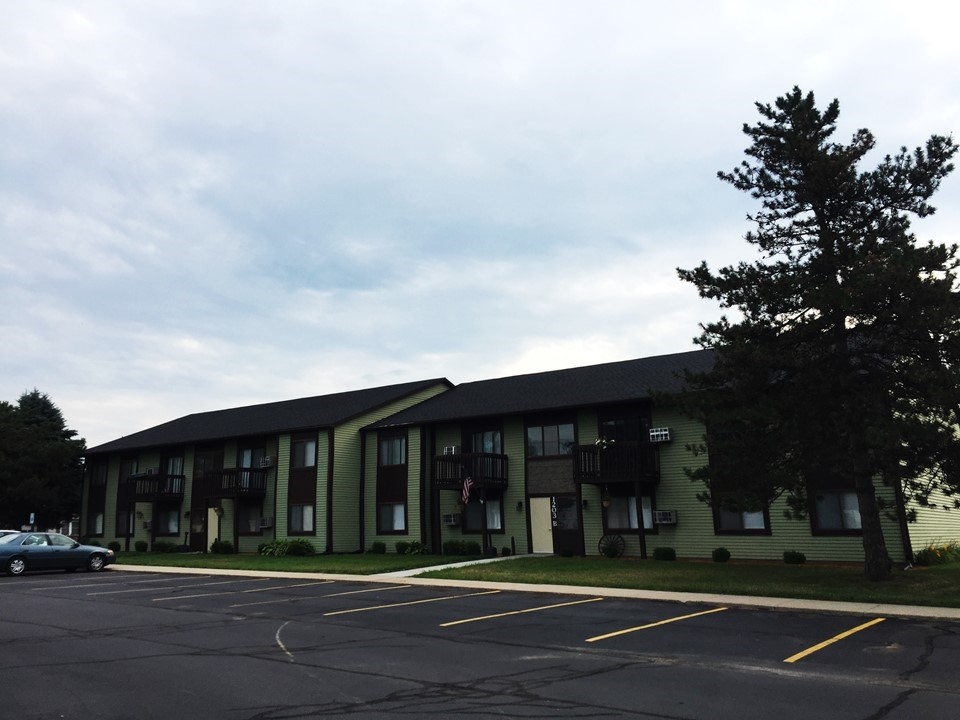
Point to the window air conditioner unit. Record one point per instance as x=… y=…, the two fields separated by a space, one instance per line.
x=268 y=461
x=659 y=435
x=266 y=522
x=152 y=471
x=451 y=519
x=665 y=517
x=451 y=450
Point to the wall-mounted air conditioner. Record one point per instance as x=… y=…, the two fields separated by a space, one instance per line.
x=665 y=517
x=451 y=519
x=451 y=450
x=266 y=522
x=659 y=435
x=152 y=471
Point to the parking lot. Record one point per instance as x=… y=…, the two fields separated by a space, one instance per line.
x=142 y=645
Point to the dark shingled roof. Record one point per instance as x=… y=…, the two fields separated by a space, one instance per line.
x=614 y=382
x=269 y=418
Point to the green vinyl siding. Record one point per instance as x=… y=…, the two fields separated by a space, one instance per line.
x=587 y=424
x=346 y=502
x=280 y=520
x=935 y=525
x=449 y=500
x=414 y=520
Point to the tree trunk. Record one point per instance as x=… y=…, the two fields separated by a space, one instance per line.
x=876 y=559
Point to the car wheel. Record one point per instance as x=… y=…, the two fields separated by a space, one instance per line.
x=16 y=566
x=95 y=563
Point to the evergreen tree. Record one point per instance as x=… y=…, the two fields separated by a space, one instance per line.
x=841 y=371
x=41 y=463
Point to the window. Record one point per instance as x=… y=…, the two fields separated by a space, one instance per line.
x=303 y=453
x=98 y=475
x=391 y=517
x=622 y=512
x=94 y=522
x=729 y=518
x=175 y=465
x=473 y=515
x=836 y=511
x=248 y=519
x=125 y=523
x=393 y=451
x=301 y=519
x=487 y=441
x=168 y=521
x=550 y=440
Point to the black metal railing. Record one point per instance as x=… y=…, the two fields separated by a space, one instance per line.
x=623 y=462
x=154 y=486
x=485 y=469
x=233 y=482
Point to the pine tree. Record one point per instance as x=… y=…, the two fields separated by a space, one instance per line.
x=841 y=369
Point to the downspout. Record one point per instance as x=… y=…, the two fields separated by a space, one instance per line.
x=904 y=528
x=363 y=493
x=638 y=502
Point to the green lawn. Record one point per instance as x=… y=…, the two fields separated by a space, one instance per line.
x=937 y=586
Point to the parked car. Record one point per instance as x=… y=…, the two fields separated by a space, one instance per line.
x=24 y=551
x=8 y=532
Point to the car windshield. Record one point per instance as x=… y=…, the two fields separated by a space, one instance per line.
x=8 y=538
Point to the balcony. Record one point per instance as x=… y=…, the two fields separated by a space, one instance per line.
x=233 y=482
x=485 y=469
x=147 y=487
x=620 y=463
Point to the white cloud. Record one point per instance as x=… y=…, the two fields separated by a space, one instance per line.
x=208 y=205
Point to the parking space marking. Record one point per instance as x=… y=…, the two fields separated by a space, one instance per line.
x=519 y=612
x=94 y=583
x=412 y=602
x=155 y=589
x=654 y=624
x=239 y=592
x=329 y=595
x=836 y=638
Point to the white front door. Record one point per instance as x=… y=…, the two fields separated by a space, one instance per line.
x=541 y=525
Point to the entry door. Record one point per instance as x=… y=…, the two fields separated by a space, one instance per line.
x=198 y=529
x=541 y=525
x=565 y=519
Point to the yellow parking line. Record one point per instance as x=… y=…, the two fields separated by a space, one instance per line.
x=655 y=624
x=412 y=602
x=329 y=595
x=831 y=641
x=519 y=612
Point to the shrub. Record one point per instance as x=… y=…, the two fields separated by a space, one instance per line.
x=378 y=548
x=140 y=545
x=471 y=547
x=300 y=547
x=938 y=554
x=114 y=545
x=95 y=543
x=453 y=547
x=403 y=547
x=417 y=548
x=793 y=557
x=664 y=553
x=163 y=546
x=490 y=551
x=505 y=551
x=221 y=547
x=721 y=554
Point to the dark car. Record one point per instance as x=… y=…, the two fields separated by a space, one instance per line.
x=49 y=551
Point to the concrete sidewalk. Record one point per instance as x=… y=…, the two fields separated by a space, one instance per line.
x=409 y=577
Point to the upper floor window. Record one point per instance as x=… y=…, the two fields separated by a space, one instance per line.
x=175 y=465
x=303 y=453
x=393 y=450
x=98 y=475
x=487 y=441
x=550 y=440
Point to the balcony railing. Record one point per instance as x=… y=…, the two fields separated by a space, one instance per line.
x=233 y=482
x=485 y=469
x=623 y=462
x=155 y=486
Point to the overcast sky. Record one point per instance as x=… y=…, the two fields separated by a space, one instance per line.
x=212 y=204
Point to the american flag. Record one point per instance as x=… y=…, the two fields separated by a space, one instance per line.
x=465 y=495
